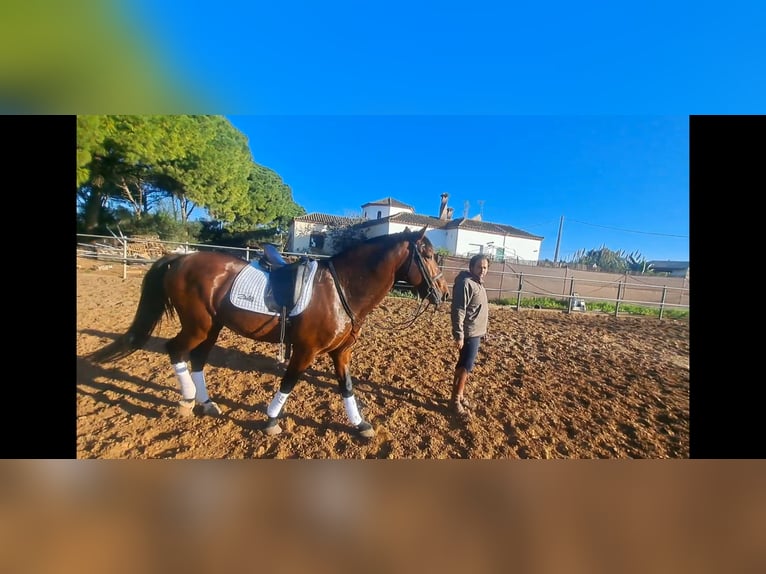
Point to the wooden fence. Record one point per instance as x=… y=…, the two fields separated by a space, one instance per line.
x=503 y=281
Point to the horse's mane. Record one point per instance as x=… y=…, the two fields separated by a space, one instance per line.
x=383 y=241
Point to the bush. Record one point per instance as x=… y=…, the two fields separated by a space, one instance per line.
x=163 y=225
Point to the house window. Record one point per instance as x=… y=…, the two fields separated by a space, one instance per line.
x=500 y=253
x=316 y=241
x=380 y=213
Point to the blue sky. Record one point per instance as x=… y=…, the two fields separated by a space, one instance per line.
x=621 y=182
x=540 y=110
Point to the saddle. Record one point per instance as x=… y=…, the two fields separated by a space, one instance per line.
x=271 y=258
x=284 y=288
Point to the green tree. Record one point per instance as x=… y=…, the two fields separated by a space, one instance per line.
x=269 y=202
x=343 y=236
x=140 y=161
x=118 y=155
x=603 y=258
x=613 y=261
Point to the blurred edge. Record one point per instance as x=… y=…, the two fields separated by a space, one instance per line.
x=87 y=56
x=479 y=516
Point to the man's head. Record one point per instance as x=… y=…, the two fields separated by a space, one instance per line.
x=478 y=265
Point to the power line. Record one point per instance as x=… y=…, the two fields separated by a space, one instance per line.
x=630 y=230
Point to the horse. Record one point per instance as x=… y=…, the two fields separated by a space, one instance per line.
x=205 y=291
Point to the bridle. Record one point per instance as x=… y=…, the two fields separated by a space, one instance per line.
x=421 y=264
x=416 y=256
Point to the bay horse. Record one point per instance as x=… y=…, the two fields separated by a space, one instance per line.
x=198 y=288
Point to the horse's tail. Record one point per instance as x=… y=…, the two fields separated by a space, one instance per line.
x=153 y=304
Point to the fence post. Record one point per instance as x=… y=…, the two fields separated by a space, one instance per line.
x=571 y=294
x=502 y=276
x=125 y=259
x=518 y=295
x=617 y=303
x=662 y=303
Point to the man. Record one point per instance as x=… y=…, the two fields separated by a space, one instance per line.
x=470 y=317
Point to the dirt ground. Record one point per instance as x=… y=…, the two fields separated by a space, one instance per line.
x=546 y=385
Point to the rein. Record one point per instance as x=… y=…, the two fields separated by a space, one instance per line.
x=415 y=254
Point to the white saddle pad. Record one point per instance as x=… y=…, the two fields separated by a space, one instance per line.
x=249 y=289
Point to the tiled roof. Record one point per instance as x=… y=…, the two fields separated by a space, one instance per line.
x=408 y=218
x=327 y=219
x=463 y=223
x=487 y=227
x=391 y=202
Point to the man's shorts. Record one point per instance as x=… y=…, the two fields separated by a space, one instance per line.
x=468 y=353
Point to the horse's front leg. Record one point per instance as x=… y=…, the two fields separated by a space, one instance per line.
x=300 y=359
x=341 y=359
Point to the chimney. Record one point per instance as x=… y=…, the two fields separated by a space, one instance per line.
x=450 y=211
x=442 y=214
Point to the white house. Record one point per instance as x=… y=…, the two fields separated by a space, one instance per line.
x=310 y=233
x=462 y=237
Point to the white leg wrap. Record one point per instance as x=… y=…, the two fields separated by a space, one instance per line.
x=352 y=410
x=185 y=382
x=276 y=404
x=199 y=383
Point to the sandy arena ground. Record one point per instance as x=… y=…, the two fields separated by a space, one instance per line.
x=546 y=385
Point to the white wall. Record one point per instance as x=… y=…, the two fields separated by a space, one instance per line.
x=371 y=211
x=520 y=247
x=457 y=241
x=470 y=242
x=301 y=235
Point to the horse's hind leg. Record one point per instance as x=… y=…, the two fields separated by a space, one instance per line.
x=198 y=358
x=341 y=358
x=193 y=343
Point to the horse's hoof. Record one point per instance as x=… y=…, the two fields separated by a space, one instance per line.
x=210 y=408
x=365 y=429
x=272 y=428
x=186 y=408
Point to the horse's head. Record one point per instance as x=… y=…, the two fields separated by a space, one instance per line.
x=422 y=271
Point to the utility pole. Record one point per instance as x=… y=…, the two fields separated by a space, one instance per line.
x=558 y=240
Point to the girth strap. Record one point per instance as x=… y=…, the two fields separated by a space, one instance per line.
x=343 y=300
x=282 y=321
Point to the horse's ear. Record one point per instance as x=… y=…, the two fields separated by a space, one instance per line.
x=422 y=233
x=407 y=229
